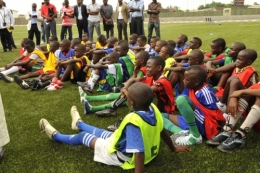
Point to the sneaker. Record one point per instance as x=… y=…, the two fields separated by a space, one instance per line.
x=75 y=118
x=115 y=126
x=87 y=107
x=222 y=107
x=220 y=137
x=2 y=152
x=188 y=140
x=21 y=83
x=106 y=112
x=232 y=143
x=47 y=128
x=54 y=87
x=87 y=89
x=181 y=133
x=2 y=69
x=6 y=78
x=82 y=94
x=34 y=84
x=83 y=84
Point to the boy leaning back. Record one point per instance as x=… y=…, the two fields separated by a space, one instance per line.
x=135 y=143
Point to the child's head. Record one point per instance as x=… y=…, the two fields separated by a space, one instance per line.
x=218 y=46
x=29 y=46
x=96 y=57
x=23 y=41
x=194 y=77
x=153 y=41
x=195 y=43
x=112 y=57
x=195 y=57
x=133 y=96
x=141 y=59
x=171 y=43
x=111 y=42
x=102 y=40
x=133 y=39
x=141 y=41
x=89 y=44
x=155 y=66
x=122 y=48
x=159 y=45
x=80 y=50
x=65 y=45
x=54 y=45
x=166 y=52
x=235 y=49
x=74 y=42
x=85 y=37
x=53 y=38
x=245 y=58
x=182 y=39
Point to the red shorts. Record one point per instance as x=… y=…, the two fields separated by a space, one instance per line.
x=41 y=71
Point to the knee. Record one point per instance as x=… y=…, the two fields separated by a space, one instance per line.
x=232 y=78
x=183 y=100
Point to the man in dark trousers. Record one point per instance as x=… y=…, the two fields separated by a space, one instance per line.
x=80 y=12
x=136 y=8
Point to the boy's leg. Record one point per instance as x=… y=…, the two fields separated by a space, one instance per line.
x=25 y=84
x=185 y=107
x=237 y=140
x=170 y=122
x=56 y=83
x=11 y=70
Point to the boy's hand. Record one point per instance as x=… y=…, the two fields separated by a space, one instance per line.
x=179 y=148
x=174 y=64
x=211 y=70
x=232 y=107
x=236 y=94
x=8 y=66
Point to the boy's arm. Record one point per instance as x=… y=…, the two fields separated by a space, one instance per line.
x=226 y=68
x=98 y=66
x=139 y=162
x=182 y=57
x=251 y=92
x=176 y=69
x=174 y=148
x=19 y=63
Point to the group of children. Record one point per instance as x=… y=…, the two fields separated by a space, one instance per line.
x=211 y=91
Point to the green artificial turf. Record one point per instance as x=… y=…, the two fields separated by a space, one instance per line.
x=32 y=151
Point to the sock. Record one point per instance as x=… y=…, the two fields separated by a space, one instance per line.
x=118 y=102
x=220 y=103
x=78 y=139
x=102 y=107
x=101 y=133
x=184 y=105
x=168 y=125
x=242 y=105
x=93 y=81
x=10 y=70
x=111 y=96
x=54 y=80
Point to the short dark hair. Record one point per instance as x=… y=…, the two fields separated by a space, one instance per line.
x=171 y=43
x=81 y=47
x=199 y=72
x=185 y=37
x=220 y=42
x=66 y=41
x=198 y=54
x=29 y=43
x=143 y=37
x=124 y=46
x=56 y=44
x=144 y=55
x=156 y=38
x=101 y=37
x=158 y=61
x=55 y=38
x=134 y=35
x=252 y=54
x=114 y=55
x=169 y=50
x=162 y=42
x=76 y=41
x=240 y=46
x=198 y=40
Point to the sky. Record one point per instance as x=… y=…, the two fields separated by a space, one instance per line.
x=182 y=4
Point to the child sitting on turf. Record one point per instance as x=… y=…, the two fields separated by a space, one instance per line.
x=23 y=57
x=46 y=48
x=65 y=52
x=243 y=76
x=84 y=38
x=102 y=42
x=134 y=144
x=218 y=48
x=181 y=43
x=142 y=43
x=158 y=46
x=74 y=42
x=46 y=74
x=133 y=40
x=75 y=65
x=166 y=53
x=230 y=58
x=227 y=141
x=172 y=43
x=200 y=114
x=160 y=85
x=108 y=72
x=110 y=46
x=36 y=61
x=153 y=42
x=140 y=71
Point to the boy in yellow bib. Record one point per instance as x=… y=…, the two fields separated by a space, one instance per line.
x=135 y=143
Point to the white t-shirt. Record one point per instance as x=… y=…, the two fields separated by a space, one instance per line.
x=94 y=7
x=80 y=13
x=120 y=16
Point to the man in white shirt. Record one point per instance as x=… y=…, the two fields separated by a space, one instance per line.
x=6 y=22
x=122 y=16
x=93 y=19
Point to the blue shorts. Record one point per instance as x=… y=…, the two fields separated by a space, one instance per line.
x=182 y=123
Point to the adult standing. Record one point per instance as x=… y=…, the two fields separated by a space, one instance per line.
x=6 y=20
x=93 y=19
x=67 y=13
x=136 y=7
x=80 y=12
x=34 y=23
x=4 y=136
x=49 y=12
x=154 y=22
x=122 y=16
x=130 y=18
x=106 y=13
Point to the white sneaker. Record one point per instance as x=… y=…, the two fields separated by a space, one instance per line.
x=177 y=135
x=47 y=128
x=75 y=118
x=82 y=94
x=188 y=140
x=222 y=107
x=54 y=87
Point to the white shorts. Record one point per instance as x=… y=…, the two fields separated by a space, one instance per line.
x=101 y=154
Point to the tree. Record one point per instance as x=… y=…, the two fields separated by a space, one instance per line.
x=215 y=4
x=255 y=3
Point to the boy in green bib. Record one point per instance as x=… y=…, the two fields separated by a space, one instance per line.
x=135 y=143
